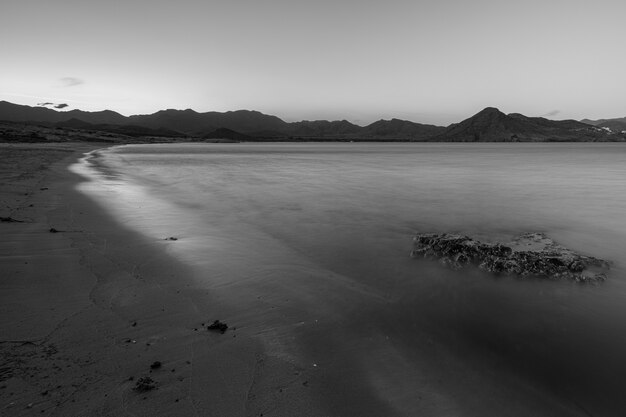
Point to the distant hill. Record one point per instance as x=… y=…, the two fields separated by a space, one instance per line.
x=192 y=122
x=252 y=124
x=18 y=113
x=74 y=123
x=99 y=117
x=126 y=130
x=615 y=125
x=600 y=121
x=183 y=121
x=322 y=128
x=401 y=129
x=491 y=125
x=224 y=133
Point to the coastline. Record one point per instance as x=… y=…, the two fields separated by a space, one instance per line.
x=100 y=302
x=86 y=311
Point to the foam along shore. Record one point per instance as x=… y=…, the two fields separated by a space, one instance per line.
x=87 y=312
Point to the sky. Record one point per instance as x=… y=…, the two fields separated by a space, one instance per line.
x=429 y=61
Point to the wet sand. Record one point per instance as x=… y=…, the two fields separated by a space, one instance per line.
x=85 y=312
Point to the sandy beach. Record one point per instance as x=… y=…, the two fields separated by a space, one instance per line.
x=80 y=325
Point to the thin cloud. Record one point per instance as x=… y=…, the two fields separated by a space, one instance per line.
x=551 y=113
x=71 y=81
x=55 y=105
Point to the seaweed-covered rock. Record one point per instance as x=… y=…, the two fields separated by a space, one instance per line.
x=528 y=254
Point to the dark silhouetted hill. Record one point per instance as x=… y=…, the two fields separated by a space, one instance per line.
x=491 y=125
x=401 y=129
x=224 y=133
x=192 y=122
x=18 y=113
x=322 y=128
x=615 y=125
x=251 y=123
x=126 y=130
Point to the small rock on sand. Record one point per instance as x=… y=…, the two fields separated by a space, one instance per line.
x=218 y=326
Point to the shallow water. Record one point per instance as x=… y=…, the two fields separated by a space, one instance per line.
x=312 y=241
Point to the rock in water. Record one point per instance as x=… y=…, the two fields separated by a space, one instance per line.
x=530 y=254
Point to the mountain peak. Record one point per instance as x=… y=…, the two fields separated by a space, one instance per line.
x=491 y=125
x=489 y=111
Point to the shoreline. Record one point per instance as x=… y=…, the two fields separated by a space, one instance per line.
x=100 y=302
x=89 y=309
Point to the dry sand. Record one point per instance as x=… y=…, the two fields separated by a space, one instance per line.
x=81 y=322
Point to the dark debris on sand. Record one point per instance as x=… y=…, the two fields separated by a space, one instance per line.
x=218 y=326
x=10 y=220
x=144 y=384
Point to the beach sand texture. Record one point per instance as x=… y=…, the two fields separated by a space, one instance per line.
x=80 y=326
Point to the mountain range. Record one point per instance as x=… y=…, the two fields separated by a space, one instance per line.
x=489 y=125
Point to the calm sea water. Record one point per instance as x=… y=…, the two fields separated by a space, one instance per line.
x=312 y=241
